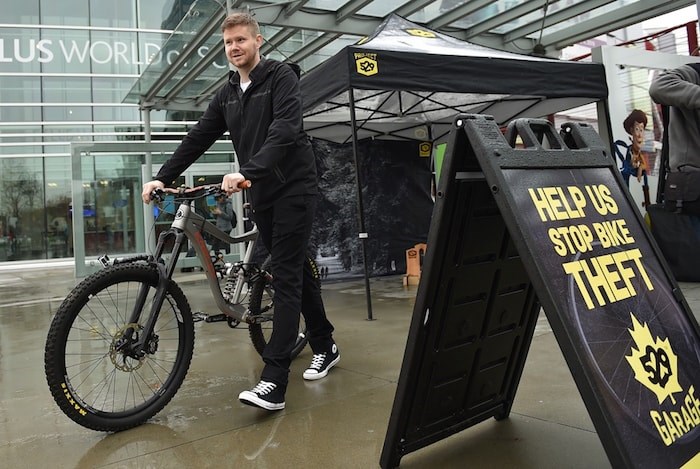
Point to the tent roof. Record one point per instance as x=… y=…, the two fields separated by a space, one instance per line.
x=407 y=79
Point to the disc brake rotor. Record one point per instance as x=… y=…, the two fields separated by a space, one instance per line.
x=120 y=359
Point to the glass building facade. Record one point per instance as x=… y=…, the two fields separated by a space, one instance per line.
x=65 y=68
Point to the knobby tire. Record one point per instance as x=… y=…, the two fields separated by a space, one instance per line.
x=95 y=384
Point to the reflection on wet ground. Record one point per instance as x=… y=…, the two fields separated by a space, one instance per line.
x=338 y=422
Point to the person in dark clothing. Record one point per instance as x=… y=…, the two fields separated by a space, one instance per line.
x=260 y=106
x=225 y=221
x=679 y=89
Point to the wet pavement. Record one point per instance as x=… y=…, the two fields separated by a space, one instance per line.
x=338 y=422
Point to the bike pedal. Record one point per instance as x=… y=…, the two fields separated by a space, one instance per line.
x=201 y=316
x=215 y=318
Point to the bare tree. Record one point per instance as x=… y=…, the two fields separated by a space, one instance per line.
x=18 y=186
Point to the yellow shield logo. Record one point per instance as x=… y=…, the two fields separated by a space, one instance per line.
x=420 y=33
x=424 y=149
x=367 y=66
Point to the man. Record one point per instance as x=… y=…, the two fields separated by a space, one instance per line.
x=680 y=90
x=678 y=236
x=225 y=221
x=261 y=108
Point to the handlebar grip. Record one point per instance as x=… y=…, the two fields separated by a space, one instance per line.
x=157 y=195
x=245 y=184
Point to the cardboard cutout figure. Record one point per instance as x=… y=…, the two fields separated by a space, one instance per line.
x=634 y=161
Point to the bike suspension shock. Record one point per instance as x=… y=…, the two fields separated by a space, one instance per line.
x=231 y=273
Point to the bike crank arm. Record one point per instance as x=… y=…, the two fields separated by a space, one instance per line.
x=201 y=316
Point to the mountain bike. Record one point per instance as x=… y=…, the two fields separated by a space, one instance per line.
x=121 y=342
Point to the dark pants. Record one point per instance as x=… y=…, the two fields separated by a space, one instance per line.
x=285 y=229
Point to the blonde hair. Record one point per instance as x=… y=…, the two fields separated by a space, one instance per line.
x=241 y=18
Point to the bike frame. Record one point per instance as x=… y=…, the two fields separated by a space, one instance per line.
x=190 y=225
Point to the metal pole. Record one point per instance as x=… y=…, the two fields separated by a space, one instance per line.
x=363 y=234
x=691 y=30
x=149 y=223
x=697 y=8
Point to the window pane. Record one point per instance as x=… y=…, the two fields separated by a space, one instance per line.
x=116 y=14
x=22 y=202
x=114 y=52
x=70 y=51
x=115 y=113
x=24 y=12
x=162 y=14
x=67 y=113
x=111 y=191
x=25 y=132
x=69 y=12
x=20 y=90
x=63 y=133
x=149 y=49
x=22 y=50
x=17 y=114
x=59 y=242
x=66 y=90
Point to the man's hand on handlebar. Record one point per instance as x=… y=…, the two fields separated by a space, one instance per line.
x=234 y=182
x=228 y=186
x=148 y=188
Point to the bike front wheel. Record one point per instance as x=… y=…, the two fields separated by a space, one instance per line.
x=262 y=306
x=95 y=377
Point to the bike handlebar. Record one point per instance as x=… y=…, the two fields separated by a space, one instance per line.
x=192 y=193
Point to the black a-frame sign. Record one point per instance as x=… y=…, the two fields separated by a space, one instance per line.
x=540 y=217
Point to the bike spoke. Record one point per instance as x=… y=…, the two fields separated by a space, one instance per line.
x=93 y=375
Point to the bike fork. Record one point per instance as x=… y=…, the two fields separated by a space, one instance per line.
x=164 y=274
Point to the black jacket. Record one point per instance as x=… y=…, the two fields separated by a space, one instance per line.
x=266 y=128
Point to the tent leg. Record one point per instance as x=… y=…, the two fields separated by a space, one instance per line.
x=360 y=209
x=368 y=293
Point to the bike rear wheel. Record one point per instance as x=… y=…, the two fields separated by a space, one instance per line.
x=92 y=378
x=262 y=305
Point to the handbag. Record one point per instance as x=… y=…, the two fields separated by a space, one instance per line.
x=682 y=190
x=675 y=218
x=678 y=237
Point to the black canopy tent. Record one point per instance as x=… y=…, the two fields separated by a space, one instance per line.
x=407 y=77
x=406 y=81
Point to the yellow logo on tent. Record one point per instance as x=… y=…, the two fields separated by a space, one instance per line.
x=424 y=149
x=366 y=64
x=421 y=33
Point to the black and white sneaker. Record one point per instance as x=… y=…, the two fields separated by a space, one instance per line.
x=321 y=363
x=266 y=395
